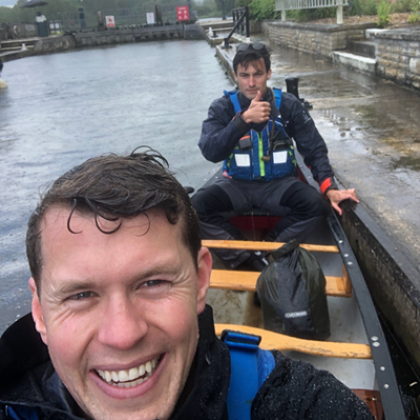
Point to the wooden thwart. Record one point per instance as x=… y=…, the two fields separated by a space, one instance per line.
x=275 y=341
x=264 y=246
x=247 y=280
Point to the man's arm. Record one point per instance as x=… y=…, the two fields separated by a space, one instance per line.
x=312 y=147
x=297 y=390
x=222 y=129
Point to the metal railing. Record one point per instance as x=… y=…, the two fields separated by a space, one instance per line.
x=240 y=24
x=283 y=5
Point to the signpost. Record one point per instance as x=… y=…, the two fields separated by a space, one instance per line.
x=150 y=18
x=110 y=21
x=182 y=13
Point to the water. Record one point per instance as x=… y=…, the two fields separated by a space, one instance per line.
x=62 y=109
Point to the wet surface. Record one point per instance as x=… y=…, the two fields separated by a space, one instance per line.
x=372 y=130
x=62 y=109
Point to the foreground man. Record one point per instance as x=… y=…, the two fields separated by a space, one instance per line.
x=251 y=130
x=119 y=283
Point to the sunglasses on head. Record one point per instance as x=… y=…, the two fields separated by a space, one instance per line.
x=257 y=46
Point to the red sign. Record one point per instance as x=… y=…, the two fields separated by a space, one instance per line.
x=183 y=13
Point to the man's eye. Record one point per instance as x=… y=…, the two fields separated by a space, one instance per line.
x=154 y=283
x=81 y=296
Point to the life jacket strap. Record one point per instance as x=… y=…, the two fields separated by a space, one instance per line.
x=250 y=367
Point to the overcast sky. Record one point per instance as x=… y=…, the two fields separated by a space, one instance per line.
x=7 y=3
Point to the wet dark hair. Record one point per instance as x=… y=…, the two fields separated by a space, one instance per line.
x=115 y=188
x=251 y=56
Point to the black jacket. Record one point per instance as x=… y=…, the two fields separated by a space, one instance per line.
x=293 y=391
x=222 y=130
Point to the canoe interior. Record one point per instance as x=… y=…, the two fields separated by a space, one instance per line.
x=233 y=307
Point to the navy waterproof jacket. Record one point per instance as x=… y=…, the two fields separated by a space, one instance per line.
x=293 y=391
x=223 y=128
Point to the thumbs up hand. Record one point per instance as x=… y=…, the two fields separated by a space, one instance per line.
x=258 y=112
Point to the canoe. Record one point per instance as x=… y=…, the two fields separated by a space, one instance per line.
x=356 y=352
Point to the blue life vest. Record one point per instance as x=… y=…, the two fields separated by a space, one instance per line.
x=247 y=163
x=250 y=367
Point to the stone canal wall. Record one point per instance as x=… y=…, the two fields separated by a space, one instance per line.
x=314 y=39
x=398 y=56
x=397 y=50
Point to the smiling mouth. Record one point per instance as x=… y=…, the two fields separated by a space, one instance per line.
x=131 y=377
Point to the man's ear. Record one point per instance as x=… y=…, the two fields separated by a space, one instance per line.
x=269 y=74
x=235 y=76
x=204 y=263
x=37 y=311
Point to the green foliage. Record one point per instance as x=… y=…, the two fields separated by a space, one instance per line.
x=414 y=17
x=369 y=7
x=306 y=15
x=242 y=3
x=405 y=6
x=356 y=8
x=384 y=10
x=262 y=9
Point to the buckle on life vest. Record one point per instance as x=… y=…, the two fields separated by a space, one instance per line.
x=239 y=340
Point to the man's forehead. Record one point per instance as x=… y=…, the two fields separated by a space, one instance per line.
x=252 y=65
x=61 y=219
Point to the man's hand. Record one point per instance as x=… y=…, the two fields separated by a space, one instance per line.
x=336 y=196
x=258 y=112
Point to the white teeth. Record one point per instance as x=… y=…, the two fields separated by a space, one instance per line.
x=129 y=378
x=149 y=367
x=122 y=376
x=133 y=374
x=108 y=376
x=142 y=370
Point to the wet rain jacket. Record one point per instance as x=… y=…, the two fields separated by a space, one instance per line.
x=293 y=391
x=223 y=129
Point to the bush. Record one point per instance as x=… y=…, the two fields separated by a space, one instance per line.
x=384 y=10
x=262 y=9
x=405 y=6
x=305 y=15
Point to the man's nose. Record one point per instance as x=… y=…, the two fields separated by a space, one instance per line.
x=251 y=81
x=122 y=325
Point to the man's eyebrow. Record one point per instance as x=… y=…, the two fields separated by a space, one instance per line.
x=72 y=286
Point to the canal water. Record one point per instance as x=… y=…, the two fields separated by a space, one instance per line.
x=62 y=109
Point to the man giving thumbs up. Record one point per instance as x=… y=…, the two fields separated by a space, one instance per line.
x=254 y=131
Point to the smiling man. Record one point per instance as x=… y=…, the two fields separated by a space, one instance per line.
x=252 y=131
x=119 y=327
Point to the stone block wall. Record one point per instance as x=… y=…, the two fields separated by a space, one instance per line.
x=398 y=55
x=321 y=40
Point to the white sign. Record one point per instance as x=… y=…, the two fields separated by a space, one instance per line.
x=110 y=21
x=150 y=18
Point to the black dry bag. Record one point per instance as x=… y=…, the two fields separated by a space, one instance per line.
x=292 y=294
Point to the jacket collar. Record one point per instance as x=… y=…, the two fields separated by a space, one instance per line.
x=27 y=376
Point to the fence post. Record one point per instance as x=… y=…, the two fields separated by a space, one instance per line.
x=340 y=12
x=247 y=22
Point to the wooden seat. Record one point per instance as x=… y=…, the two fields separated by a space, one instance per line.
x=247 y=280
x=271 y=340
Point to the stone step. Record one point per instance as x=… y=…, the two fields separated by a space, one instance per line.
x=15 y=43
x=224 y=25
x=17 y=48
x=356 y=62
x=363 y=48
